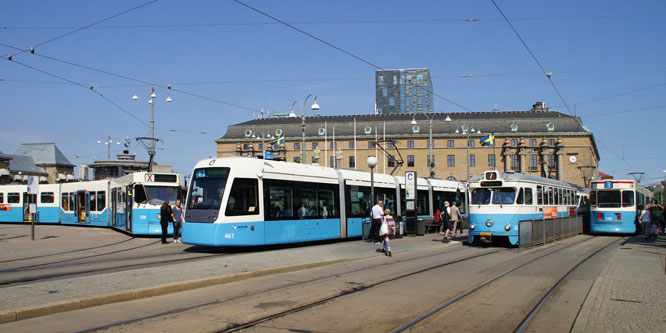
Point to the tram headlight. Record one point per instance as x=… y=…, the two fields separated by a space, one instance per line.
x=507 y=227
x=472 y=226
x=489 y=223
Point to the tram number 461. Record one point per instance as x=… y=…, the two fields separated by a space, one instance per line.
x=229 y=235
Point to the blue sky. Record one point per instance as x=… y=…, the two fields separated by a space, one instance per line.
x=227 y=53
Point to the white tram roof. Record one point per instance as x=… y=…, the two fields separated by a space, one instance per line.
x=514 y=176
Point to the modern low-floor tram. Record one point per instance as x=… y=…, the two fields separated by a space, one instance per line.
x=500 y=200
x=130 y=203
x=239 y=201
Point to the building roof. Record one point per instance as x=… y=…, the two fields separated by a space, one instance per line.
x=5 y=157
x=24 y=164
x=43 y=153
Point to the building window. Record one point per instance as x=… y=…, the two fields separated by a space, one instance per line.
x=410 y=144
x=371 y=144
x=409 y=101
x=431 y=160
x=390 y=144
x=419 y=78
x=551 y=142
x=379 y=109
x=260 y=146
x=380 y=80
x=391 y=161
x=514 y=142
x=334 y=145
x=533 y=142
x=315 y=160
x=424 y=91
x=352 y=144
x=384 y=91
x=491 y=160
x=352 y=161
x=551 y=161
x=315 y=145
x=410 y=160
x=514 y=162
x=297 y=146
x=246 y=146
x=414 y=91
x=391 y=101
x=533 y=162
x=470 y=143
x=451 y=143
x=431 y=143
x=472 y=160
x=332 y=161
x=297 y=159
x=395 y=80
x=451 y=161
x=421 y=100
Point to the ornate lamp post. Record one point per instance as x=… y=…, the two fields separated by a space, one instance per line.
x=314 y=107
x=151 y=139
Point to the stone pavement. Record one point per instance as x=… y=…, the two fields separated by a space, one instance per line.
x=630 y=293
x=40 y=298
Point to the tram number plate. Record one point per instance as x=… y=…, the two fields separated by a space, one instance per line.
x=229 y=235
x=486 y=234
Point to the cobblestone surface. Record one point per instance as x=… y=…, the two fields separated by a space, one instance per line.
x=630 y=293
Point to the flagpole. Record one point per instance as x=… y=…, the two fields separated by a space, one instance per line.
x=384 y=148
x=355 y=143
x=325 y=144
x=335 y=161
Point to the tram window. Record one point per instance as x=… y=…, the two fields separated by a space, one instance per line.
x=528 y=196
x=280 y=203
x=13 y=197
x=64 y=202
x=358 y=200
x=608 y=199
x=287 y=199
x=47 y=197
x=422 y=202
x=326 y=198
x=101 y=201
x=504 y=196
x=2 y=197
x=551 y=196
x=93 y=201
x=539 y=195
x=140 y=194
x=519 y=199
x=593 y=198
x=71 y=200
x=387 y=195
x=481 y=196
x=627 y=198
x=208 y=188
x=243 y=198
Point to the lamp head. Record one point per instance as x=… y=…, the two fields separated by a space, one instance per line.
x=153 y=95
x=169 y=100
x=447 y=118
x=135 y=97
x=315 y=106
x=413 y=122
x=372 y=162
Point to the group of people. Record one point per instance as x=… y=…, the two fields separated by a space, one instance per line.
x=169 y=214
x=383 y=226
x=651 y=219
x=451 y=220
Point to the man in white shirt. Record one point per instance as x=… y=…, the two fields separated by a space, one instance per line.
x=377 y=214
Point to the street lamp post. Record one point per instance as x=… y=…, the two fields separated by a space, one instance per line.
x=466 y=131
x=152 y=139
x=430 y=116
x=314 y=107
x=372 y=162
x=261 y=137
x=108 y=141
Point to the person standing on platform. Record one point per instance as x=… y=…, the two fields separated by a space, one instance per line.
x=377 y=215
x=387 y=229
x=445 y=216
x=177 y=221
x=166 y=216
x=645 y=219
x=457 y=221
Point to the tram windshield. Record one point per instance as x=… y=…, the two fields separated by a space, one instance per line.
x=207 y=188
x=155 y=195
x=504 y=196
x=481 y=196
x=609 y=199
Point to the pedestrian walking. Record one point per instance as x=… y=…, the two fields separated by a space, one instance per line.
x=166 y=216
x=377 y=214
x=178 y=216
x=645 y=219
x=445 y=216
x=386 y=230
x=456 y=219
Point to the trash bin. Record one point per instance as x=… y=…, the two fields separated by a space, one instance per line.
x=367 y=223
x=420 y=227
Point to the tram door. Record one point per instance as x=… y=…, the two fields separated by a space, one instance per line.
x=128 y=205
x=27 y=200
x=82 y=198
x=113 y=209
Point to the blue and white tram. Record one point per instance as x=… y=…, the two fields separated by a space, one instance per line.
x=499 y=201
x=240 y=201
x=614 y=205
x=130 y=203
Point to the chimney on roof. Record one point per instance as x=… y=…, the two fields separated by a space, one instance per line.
x=539 y=107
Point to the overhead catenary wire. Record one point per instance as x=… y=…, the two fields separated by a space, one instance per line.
x=416 y=20
x=32 y=50
x=548 y=75
x=337 y=48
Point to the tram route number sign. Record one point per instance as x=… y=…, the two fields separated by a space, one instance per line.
x=608 y=184
x=410 y=185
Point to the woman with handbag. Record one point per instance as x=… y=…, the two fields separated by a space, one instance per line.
x=387 y=229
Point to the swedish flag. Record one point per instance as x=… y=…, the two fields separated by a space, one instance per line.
x=278 y=140
x=488 y=140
